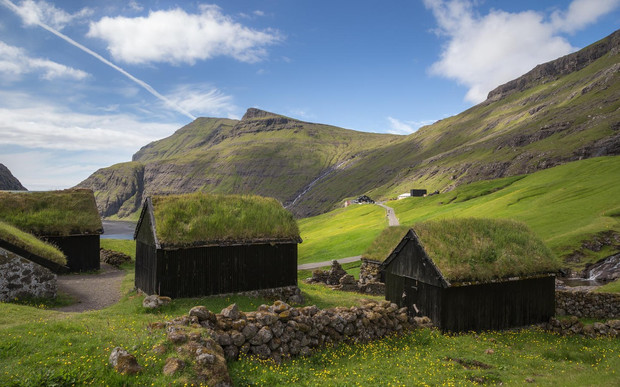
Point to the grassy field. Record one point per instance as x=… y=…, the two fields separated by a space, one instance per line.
x=44 y=347
x=341 y=233
x=564 y=206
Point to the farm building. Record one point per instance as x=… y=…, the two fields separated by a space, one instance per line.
x=471 y=274
x=67 y=219
x=28 y=266
x=200 y=244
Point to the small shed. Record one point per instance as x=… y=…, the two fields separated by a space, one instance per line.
x=67 y=219
x=201 y=244
x=472 y=274
x=418 y=192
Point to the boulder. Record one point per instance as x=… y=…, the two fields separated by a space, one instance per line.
x=123 y=362
x=114 y=258
x=154 y=301
x=173 y=365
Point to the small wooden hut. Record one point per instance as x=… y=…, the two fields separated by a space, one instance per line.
x=472 y=274
x=67 y=219
x=201 y=244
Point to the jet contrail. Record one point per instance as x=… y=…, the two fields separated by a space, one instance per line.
x=87 y=50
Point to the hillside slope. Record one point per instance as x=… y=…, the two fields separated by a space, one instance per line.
x=561 y=111
x=8 y=181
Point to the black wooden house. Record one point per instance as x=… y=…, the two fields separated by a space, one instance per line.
x=200 y=244
x=68 y=219
x=488 y=289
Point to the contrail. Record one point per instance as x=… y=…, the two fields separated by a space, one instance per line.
x=87 y=50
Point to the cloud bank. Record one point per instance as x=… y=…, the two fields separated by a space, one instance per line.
x=14 y=62
x=485 y=51
x=175 y=36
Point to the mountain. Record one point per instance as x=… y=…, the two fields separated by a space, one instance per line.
x=561 y=111
x=9 y=182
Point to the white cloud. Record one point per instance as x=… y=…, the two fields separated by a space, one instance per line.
x=485 y=51
x=14 y=62
x=174 y=36
x=31 y=124
x=203 y=100
x=580 y=13
x=33 y=13
x=406 y=127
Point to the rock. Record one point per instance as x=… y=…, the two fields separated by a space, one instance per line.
x=203 y=314
x=249 y=331
x=231 y=312
x=124 y=362
x=114 y=258
x=177 y=337
x=173 y=365
x=154 y=301
x=335 y=273
x=262 y=337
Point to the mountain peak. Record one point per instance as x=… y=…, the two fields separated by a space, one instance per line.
x=254 y=113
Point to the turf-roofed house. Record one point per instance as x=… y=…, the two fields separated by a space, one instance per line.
x=28 y=266
x=68 y=219
x=202 y=244
x=469 y=274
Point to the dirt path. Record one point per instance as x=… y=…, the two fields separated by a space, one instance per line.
x=392 y=219
x=93 y=291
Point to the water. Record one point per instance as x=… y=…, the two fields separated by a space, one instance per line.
x=574 y=282
x=118 y=229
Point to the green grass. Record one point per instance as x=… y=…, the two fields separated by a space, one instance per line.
x=473 y=249
x=427 y=357
x=383 y=245
x=612 y=287
x=124 y=246
x=345 y=232
x=52 y=213
x=202 y=218
x=564 y=205
x=31 y=243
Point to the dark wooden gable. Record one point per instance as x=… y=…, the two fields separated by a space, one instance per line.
x=411 y=261
x=145 y=229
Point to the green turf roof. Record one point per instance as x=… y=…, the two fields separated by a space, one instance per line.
x=483 y=250
x=31 y=244
x=51 y=213
x=203 y=219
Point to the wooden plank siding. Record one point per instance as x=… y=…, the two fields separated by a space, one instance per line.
x=203 y=271
x=82 y=251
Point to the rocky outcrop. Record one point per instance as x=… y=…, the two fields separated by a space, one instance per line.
x=550 y=71
x=9 y=182
x=114 y=258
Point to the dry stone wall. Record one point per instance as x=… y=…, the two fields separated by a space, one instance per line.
x=587 y=304
x=21 y=278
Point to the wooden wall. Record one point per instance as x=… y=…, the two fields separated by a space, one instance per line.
x=82 y=251
x=203 y=271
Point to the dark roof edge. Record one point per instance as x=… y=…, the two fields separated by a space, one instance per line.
x=229 y=243
x=503 y=279
x=53 y=266
x=412 y=236
x=147 y=208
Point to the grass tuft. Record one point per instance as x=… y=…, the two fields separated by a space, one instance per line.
x=30 y=243
x=200 y=218
x=52 y=213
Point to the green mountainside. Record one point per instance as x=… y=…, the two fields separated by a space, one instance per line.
x=561 y=111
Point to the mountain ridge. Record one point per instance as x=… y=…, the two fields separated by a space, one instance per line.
x=528 y=124
x=9 y=182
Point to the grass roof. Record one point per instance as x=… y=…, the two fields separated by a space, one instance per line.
x=30 y=243
x=200 y=219
x=473 y=249
x=383 y=245
x=52 y=213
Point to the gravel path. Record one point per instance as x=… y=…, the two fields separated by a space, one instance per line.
x=93 y=291
x=392 y=219
x=316 y=265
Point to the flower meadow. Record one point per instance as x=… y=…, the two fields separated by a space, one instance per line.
x=431 y=358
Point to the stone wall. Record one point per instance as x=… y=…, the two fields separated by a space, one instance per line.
x=369 y=271
x=21 y=278
x=587 y=304
x=338 y=279
x=572 y=326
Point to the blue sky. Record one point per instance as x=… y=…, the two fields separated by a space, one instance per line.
x=83 y=84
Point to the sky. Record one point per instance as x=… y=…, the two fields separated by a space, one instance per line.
x=85 y=84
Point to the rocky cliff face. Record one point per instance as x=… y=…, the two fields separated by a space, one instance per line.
x=8 y=181
x=551 y=71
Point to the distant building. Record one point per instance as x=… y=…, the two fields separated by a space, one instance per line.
x=418 y=192
x=68 y=219
x=404 y=196
x=226 y=244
